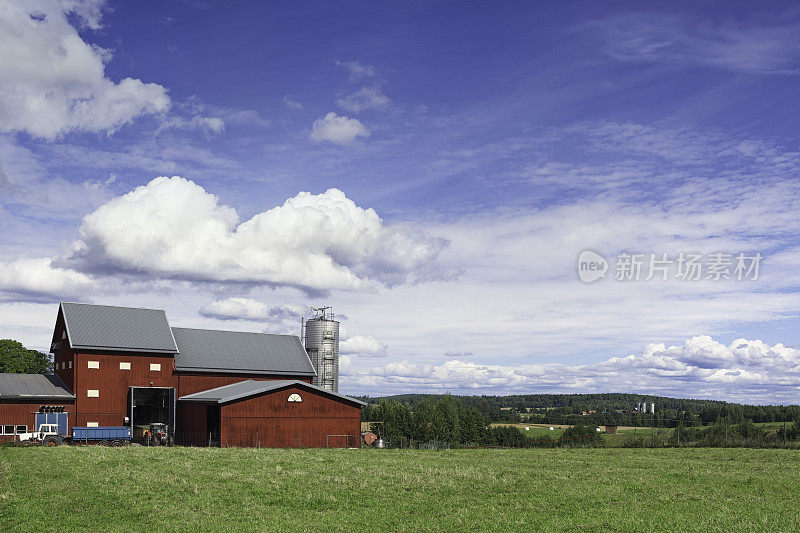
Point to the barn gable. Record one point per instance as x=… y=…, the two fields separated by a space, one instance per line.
x=250 y=388
x=119 y=329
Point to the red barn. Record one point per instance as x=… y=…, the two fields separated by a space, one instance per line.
x=118 y=366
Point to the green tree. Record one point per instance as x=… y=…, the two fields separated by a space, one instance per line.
x=17 y=359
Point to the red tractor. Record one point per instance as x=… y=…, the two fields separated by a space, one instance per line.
x=158 y=435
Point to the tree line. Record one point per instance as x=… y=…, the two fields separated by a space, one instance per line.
x=611 y=409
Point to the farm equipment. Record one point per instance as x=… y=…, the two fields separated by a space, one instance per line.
x=158 y=435
x=46 y=436
x=50 y=435
x=103 y=436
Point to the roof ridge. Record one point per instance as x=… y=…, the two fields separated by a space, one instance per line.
x=114 y=306
x=234 y=331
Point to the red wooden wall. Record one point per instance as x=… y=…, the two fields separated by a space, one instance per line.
x=191 y=382
x=17 y=413
x=113 y=384
x=269 y=420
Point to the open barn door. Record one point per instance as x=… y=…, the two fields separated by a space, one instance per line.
x=151 y=405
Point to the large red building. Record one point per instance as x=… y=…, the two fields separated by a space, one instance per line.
x=119 y=366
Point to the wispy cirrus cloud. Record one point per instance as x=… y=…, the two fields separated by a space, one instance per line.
x=365 y=98
x=357 y=70
x=672 y=39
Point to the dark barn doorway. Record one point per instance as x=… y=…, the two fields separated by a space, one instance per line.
x=213 y=425
x=151 y=405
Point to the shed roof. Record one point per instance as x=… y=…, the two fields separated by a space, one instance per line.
x=245 y=389
x=205 y=350
x=103 y=327
x=33 y=386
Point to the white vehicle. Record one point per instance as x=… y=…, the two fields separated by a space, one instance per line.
x=46 y=436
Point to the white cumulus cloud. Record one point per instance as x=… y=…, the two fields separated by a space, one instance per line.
x=38 y=278
x=701 y=367
x=236 y=309
x=363 y=346
x=53 y=82
x=173 y=228
x=338 y=129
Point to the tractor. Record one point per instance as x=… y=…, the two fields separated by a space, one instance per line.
x=158 y=435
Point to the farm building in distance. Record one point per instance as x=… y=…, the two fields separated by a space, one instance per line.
x=119 y=366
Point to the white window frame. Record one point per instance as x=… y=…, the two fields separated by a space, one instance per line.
x=70 y=364
x=92 y=393
x=155 y=367
x=3 y=429
x=93 y=365
x=124 y=365
x=295 y=398
x=17 y=431
x=92 y=425
x=63 y=365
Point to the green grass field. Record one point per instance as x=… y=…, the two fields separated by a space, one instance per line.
x=191 y=489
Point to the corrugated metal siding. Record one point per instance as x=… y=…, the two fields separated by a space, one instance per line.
x=104 y=327
x=234 y=350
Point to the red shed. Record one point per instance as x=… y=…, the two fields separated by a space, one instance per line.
x=282 y=413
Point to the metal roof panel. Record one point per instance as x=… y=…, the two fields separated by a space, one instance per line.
x=204 y=350
x=244 y=389
x=103 y=327
x=33 y=386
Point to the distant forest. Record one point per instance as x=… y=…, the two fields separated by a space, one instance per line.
x=598 y=409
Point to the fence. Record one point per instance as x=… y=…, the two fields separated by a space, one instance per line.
x=259 y=440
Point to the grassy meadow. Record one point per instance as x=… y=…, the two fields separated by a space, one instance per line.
x=191 y=489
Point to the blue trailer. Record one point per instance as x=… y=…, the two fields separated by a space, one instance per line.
x=107 y=436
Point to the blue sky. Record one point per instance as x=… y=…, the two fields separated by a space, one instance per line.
x=430 y=169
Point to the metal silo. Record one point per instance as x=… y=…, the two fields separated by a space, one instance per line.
x=322 y=344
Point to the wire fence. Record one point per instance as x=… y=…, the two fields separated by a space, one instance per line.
x=257 y=439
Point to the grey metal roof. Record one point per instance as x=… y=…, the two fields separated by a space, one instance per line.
x=205 y=350
x=33 y=386
x=244 y=389
x=102 y=327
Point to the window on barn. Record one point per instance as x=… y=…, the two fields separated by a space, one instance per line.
x=22 y=429
x=94 y=364
x=8 y=430
x=91 y=424
x=124 y=366
x=155 y=367
x=70 y=364
x=295 y=398
x=92 y=393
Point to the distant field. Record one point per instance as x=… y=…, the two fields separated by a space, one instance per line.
x=186 y=489
x=535 y=431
